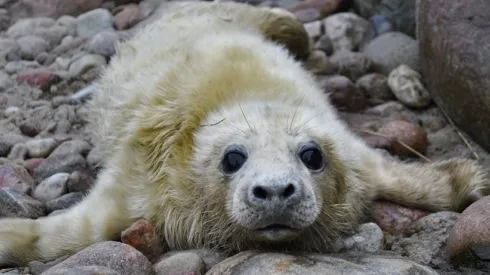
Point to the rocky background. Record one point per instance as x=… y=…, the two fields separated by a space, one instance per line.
x=390 y=67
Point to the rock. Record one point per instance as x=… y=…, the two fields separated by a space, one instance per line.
x=83 y=270
x=69 y=47
x=324 y=7
x=455 y=61
x=51 y=188
x=15 y=67
x=103 y=43
x=80 y=182
x=18 y=152
x=348 y=31
x=251 y=262
x=12 y=110
x=42 y=27
x=5 y=81
x=14 y=203
x=70 y=23
x=92 y=22
x=30 y=128
x=381 y=24
x=324 y=44
x=4 y=19
x=128 y=17
x=394 y=218
x=117 y=256
x=142 y=236
x=8 y=140
x=375 y=88
x=368 y=239
x=410 y=134
x=314 y=29
x=407 y=87
x=52 y=8
x=86 y=62
x=31 y=164
x=318 y=63
x=400 y=12
x=471 y=230
x=425 y=241
x=41 y=148
x=343 y=93
x=59 y=164
x=181 y=263
x=351 y=64
x=64 y=202
x=308 y=15
x=30 y=46
x=16 y=177
x=75 y=146
x=38 y=78
x=391 y=50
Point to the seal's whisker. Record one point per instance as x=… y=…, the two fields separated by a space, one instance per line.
x=308 y=120
x=294 y=114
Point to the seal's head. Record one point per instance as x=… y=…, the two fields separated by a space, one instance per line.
x=276 y=165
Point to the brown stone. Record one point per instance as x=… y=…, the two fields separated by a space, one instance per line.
x=394 y=218
x=325 y=7
x=142 y=236
x=455 y=61
x=405 y=133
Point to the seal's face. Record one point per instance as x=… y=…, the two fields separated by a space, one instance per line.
x=275 y=169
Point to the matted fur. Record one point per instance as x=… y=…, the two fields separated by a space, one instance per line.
x=183 y=88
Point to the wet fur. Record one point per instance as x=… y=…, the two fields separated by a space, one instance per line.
x=175 y=94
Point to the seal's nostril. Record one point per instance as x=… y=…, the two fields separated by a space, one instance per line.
x=289 y=191
x=260 y=192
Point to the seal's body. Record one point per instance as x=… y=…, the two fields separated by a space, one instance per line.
x=215 y=133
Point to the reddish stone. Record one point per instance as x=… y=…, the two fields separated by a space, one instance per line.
x=16 y=177
x=142 y=236
x=41 y=79
x=127 y=17
x=410 y=134
x=325 y=7
x=394 y=218
x=32 y=164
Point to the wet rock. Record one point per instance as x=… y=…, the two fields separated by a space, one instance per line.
x=250 y=262
x=103 y=43
x=318 y=63
x=351 y=64
x=14 y=203
x=343 y=93
x=30 y=46
x=64 y=202
x=16 y=177
x=375 y=88
x=407 y=87
x=394 y=218
x=86 y=62
x=455 y=61
x=92 y=22
x=369 y=238
x=128 y=17
x=348 y=31
x=142 y=236
x=117 y=256
x=80 y=182
x=391 y=50
x=181 y=263
x=51 y=188
x=59 y=164
x=410 y=134
x=324 y=44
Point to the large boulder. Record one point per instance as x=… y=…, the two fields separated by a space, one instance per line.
x=454 y=39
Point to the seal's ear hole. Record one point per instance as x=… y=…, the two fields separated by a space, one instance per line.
x=233 y=159
x=312 y=157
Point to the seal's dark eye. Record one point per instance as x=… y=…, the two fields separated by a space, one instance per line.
x=312 y=157
x=233 y=161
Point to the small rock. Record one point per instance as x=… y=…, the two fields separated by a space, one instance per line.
x=51 y=188
x=41 y=148
x=11 y=111
x=181 y=263
x=15 y=67
x=4 y=19
x=31 y=164
x=18 y=152
x=75 y=146
x=314 y=29
x=348 y=31
x=343 y=93
x=128 y=17
x=64 y=202
x=308 y=15
x=86 y=62
x=8 y=140
x=5 y=81
x=92 y=22
x=16 y=177
x=318 y=63
x=381 y=24
x=324 y=44
x=30 y=46
x=42 y=27
x=80 y=182
x=368 y=239
x=30 y=128
x=407 y=87
x=60 y=164
x=142 y=236
x=69 y=22
x=410 y=134
x=394 y=218
x=391 y=50
x=16 y=204
x=386 y=109
x=375 y=88
x=117 y=256
x=376 y=141
x=324 y=7
x=69 y=47
x=351 y=64
x=103 y=43
x=83 y=270
x=38 y=78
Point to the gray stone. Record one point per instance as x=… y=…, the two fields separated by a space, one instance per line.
x=348 y=31
x=31 y=46
x=93 y=22
x=14 y=203
x=86 y=62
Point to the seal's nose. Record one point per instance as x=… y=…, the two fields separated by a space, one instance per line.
x=274 y=194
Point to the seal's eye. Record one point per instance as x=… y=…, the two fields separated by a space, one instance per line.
x=312 y=157
x=233 y=161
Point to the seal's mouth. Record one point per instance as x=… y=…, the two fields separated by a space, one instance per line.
x=277 y=232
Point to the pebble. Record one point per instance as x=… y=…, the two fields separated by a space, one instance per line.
x=351 y=64
x=64 y=202
x=30 y=128
x=41 y=148
x=4 y=19
x=318 y=63
x=314 y=29
x=14 y=203
x=393 y=218
x=75 y=146
x=342 y=93
x=40 y=78
x=12 y=111
x=86 y=62
x=80 y=182
x=128 y=17
x=8 y=140
x=103 y=43
x=18 y=152
x=5 y=82
x=348 y=31
x=59 y=164
x=368 y=239
x=410 y=134
x=51 y=188
x=406 y=85
x=181 y=263
x=70 y=23
x=324 y=44
x=83 y=270
x=143 y=236
x=324 y=7
x=31 y=46
x=391 y=50
x=381 y=24
x=43 y=27
x=92 y=22
x=16 y=177
x=15 y=67
x=117 y=256
x=308 y=15
x=375 y=88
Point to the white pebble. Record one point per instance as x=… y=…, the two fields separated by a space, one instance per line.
x=52 y=187
x=406 y=85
